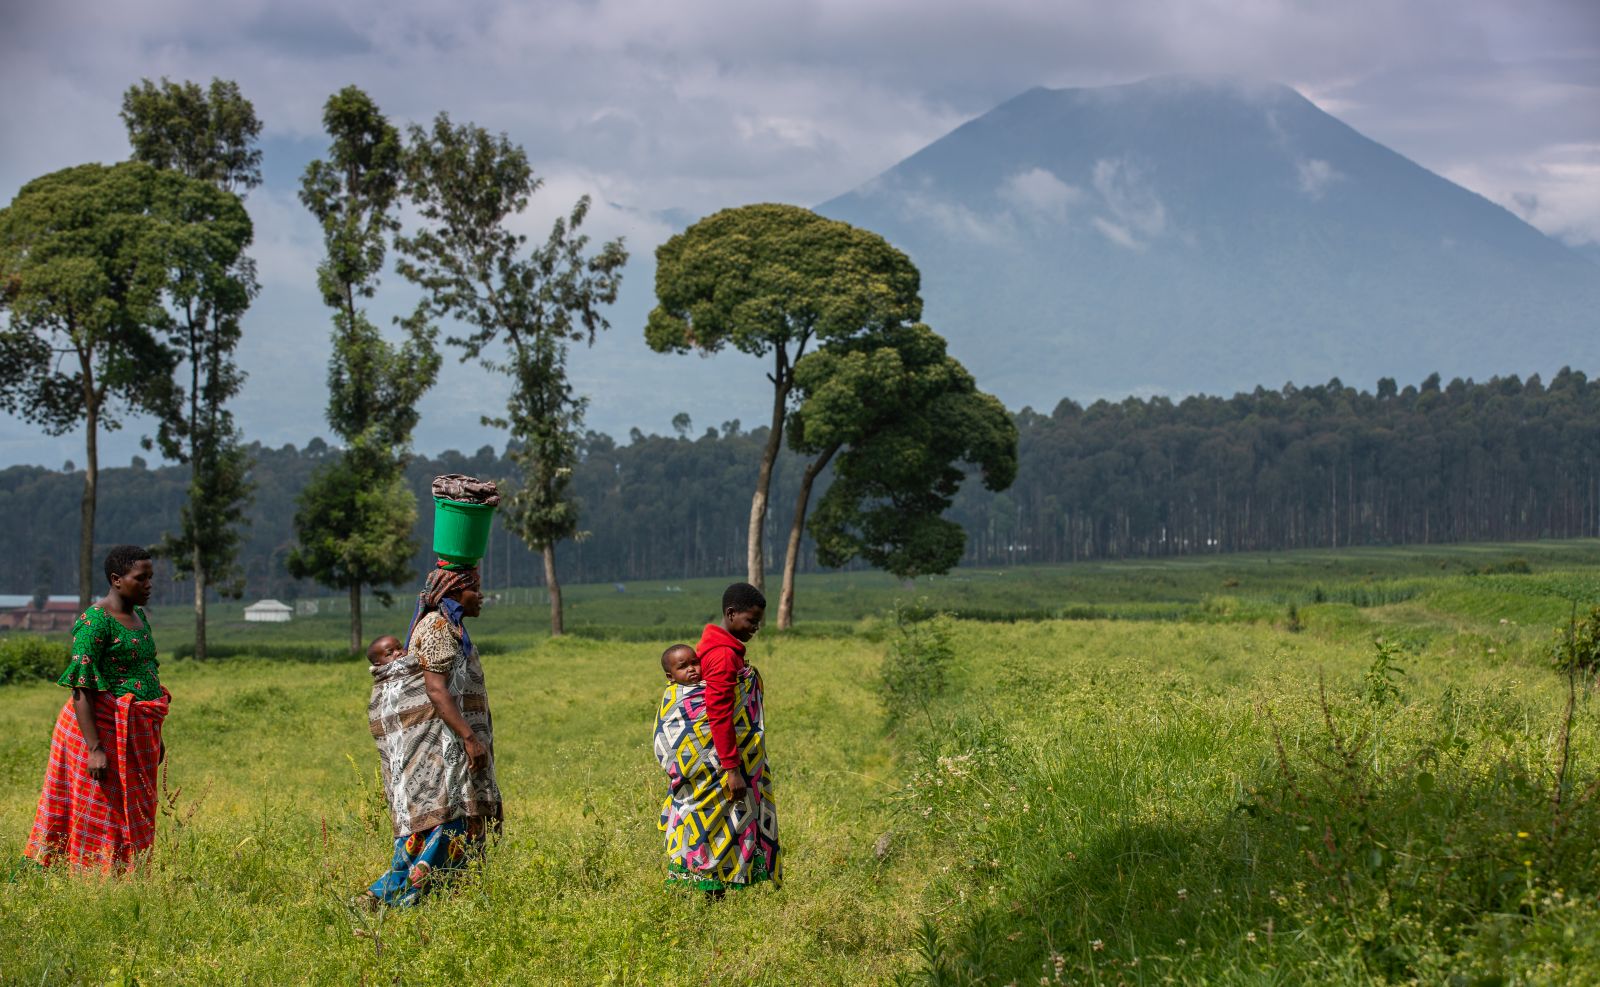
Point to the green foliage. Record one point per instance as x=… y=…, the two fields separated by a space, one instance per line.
x=543 y=417
x=914 y=666
x=355 y=524
x=208 y=540
x=1510 y=567
x=27 y=656
x=82 y=269
x=351 y=195
x=89 y=259
x=469 y=186
x=776 y=279
x=209 y=134
x=772 y=278
x=43 y=575
x=909 y=417
x=1381 y=686
x=1295 y=467
x=1111 y=804
x=1577 y=646
x=354 y=521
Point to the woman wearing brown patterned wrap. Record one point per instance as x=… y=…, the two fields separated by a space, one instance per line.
x=430 y=717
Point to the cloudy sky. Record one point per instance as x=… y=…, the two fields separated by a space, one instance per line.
x=663 y=110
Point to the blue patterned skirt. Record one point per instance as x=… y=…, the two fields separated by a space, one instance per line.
x=425 y=860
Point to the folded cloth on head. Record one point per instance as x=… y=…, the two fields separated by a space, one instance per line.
x=466 y=489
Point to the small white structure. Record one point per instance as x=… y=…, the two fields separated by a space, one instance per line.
x=268 y=612
x=305 y=608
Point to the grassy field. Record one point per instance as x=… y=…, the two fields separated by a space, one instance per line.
x=1336 y=766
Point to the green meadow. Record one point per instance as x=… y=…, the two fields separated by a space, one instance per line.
x=1352 y=766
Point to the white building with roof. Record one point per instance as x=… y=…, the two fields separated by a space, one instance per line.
x=268 y=612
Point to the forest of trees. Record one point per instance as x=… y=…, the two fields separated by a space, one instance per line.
x=1298 y=467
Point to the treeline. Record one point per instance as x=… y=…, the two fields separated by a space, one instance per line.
x=655 y=507
x=1324 y=466
x=1273 y=469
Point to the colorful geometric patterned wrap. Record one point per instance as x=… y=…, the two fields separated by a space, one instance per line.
x=101 y=825
x=712 y=843
x=423 y=860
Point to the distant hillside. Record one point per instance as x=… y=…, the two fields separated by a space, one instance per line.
x=1182 y=235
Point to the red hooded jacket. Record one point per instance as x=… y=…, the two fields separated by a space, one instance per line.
x=721 y=661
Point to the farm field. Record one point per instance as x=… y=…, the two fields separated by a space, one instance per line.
x=1344 y=766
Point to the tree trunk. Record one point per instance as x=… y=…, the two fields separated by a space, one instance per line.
x=195 y=509
x=554 y=588
x=755 y=555
x=791 y=558
x=355 y=618
x=199 y=606
x=91 y=478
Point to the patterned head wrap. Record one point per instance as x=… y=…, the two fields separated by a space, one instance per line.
x=445 y=578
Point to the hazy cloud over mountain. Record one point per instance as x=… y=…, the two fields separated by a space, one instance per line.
x=697 y=105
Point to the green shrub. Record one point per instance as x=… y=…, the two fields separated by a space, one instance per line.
x=914 y=668
x=1381 y=685
x=273 y=652
x=1577 y=646
x=28 y=656
x=1510 y=567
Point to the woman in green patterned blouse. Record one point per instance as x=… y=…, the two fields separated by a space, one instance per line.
x=97 y=807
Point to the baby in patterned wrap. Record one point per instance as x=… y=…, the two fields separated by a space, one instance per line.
x=681 y=664
x=384 y=649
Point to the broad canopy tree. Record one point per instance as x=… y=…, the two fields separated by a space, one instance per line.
x=776 y=281
x=529 y=303
x=905 y=420
x=899 y=474
x=355 y=518
x=87 y=256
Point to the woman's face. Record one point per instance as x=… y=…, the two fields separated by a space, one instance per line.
x=134 y=585
x=471 y=600
x=743 y=624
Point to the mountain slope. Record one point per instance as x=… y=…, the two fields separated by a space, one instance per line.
x=1182 y=235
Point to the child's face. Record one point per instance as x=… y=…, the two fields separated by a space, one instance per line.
x=683 y=667
x=384 y=650
x=743 y=624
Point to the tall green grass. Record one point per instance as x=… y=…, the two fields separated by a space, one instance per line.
x=1219 y=794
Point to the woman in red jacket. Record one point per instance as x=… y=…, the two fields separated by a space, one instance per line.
x=720 y=818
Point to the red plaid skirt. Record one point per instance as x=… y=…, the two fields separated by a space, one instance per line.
x=101 y=825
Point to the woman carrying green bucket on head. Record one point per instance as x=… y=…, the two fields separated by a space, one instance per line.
x=429 y=711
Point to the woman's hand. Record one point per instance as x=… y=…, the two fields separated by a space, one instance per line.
x=734 y=785
x=83 y=703
x=445 y=705
x=477 y=753
x=97 y=763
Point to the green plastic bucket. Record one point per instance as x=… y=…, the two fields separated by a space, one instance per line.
x=461 y=531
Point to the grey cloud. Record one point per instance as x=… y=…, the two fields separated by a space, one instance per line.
x=1135 y=207
x=1038 y=191
x=1316 y=175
